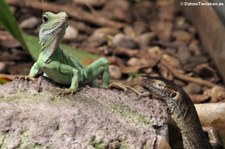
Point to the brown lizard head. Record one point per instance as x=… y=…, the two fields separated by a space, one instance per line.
x=173 y=95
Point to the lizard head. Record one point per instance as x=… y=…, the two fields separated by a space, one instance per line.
x=52 y=31
x=168 y=91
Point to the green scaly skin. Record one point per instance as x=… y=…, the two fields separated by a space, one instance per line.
x=182 y=111
x=58 y=65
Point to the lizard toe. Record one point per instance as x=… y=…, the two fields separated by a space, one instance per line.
x=26 y=78
x=67 y=91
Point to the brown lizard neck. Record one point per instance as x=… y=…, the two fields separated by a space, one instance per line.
x=182 y=110
x=187 y=120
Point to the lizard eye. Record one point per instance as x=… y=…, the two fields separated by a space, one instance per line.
x=173 y=94
x=160 y=84
x=44 y=19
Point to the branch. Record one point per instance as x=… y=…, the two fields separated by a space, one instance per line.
x=184 y=77
x=74 y=13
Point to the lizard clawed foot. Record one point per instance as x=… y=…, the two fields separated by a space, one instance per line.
x=66 y=91
x=27 y=78
x=123 y=87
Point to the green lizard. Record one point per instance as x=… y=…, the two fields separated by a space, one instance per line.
x=60 y=66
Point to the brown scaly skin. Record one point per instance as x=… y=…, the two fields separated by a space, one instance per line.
x=182 y=111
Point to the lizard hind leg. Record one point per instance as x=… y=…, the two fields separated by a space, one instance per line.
x=97 y=68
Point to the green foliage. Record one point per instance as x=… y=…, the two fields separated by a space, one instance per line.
x=34 y=49
x=9 y=23
x=96 y=144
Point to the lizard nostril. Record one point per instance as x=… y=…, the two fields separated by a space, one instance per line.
x=63 y=15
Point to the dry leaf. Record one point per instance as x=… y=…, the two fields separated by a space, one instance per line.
x=216 y=94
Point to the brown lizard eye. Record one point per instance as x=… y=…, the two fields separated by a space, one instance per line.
x=44 y=19
x=173 y=94
x=160 y=84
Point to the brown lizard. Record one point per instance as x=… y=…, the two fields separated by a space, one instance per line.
x=182 y=110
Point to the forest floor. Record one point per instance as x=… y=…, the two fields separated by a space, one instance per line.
x=151 y=37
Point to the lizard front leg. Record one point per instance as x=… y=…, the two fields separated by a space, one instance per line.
x=34 y=70
x=99 y=67
x=33 y=73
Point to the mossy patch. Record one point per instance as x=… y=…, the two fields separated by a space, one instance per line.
x=113 y=144
x=25 y=143
x=97 y=144
x=2 y=138
x=132 y=115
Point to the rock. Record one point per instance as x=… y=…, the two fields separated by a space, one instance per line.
x=115 y=72
x=71 y=33
x=92 y=117
x=100 y=36
x=29 y=23
x=121 y=40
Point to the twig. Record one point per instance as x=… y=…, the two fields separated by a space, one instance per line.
x=125 y=51
x=181 y=76
x=167 y=44
x=76 y=14
x=199 y=98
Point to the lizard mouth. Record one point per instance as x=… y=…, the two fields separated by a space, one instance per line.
x=150 y=84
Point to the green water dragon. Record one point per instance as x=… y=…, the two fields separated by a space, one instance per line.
x=60 y=66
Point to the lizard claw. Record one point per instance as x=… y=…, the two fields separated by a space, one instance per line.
x=123 y=87
x=118 y=86
x=67 y=91
x=27 y=78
